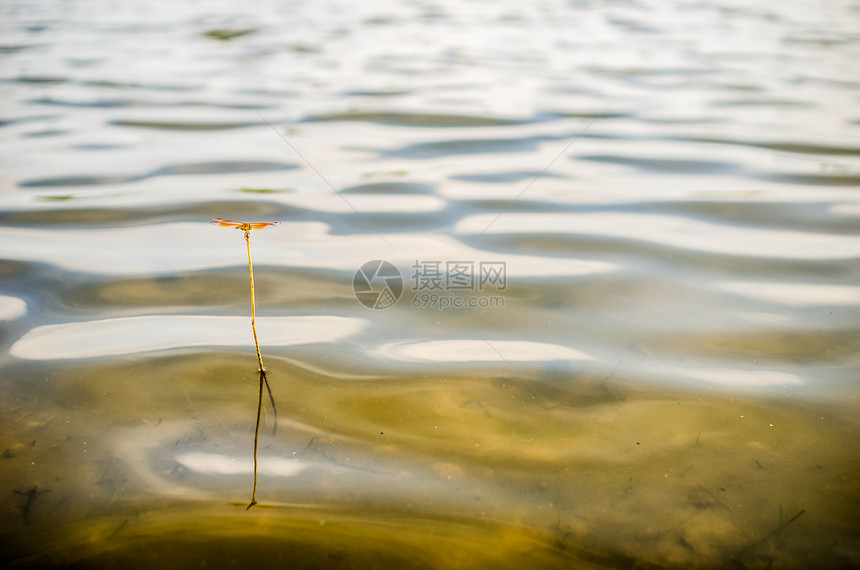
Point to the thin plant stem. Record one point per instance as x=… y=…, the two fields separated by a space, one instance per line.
x=246 y=227
x=263 y=378
x=253 y=303
x=254 y=328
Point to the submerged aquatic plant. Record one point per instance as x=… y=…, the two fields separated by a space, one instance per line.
x=247 y=227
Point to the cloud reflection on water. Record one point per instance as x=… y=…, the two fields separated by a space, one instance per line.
x=217 y=464
x=131 y=335
x=464 y=350
x=12 y=308
x=795 y=294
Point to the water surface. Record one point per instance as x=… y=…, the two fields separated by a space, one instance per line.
x=626 y=332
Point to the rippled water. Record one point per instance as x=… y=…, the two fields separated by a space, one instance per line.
x=626 y=237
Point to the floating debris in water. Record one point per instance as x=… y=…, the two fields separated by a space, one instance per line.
x=226 y=34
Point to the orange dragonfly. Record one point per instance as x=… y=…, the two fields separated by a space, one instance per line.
x=244 y=226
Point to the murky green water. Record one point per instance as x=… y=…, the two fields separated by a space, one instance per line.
x=618 y=328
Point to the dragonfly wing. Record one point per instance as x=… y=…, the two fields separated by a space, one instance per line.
x=245 y=226
x=226 y=223
x=261 y=225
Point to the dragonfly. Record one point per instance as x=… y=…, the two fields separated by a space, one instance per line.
x=247 y=227
x=244 y=226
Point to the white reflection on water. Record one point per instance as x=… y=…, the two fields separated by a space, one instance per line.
x=370 y=204
x=465 y=350
x=139 y=250
x=154 y=250
x=794 y=294
x=130 y=335
x=12 y=308
x=733 y=377
x=216 y=464
x=676 y=232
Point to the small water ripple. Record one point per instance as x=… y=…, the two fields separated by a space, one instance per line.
x=423 y=120
x=673 y=232
x=185 y=125
x=669 y=165
x=205 y=168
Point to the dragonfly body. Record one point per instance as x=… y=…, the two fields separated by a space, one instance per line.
x=244 y=226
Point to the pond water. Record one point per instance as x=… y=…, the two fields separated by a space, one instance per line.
x=611 y=316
